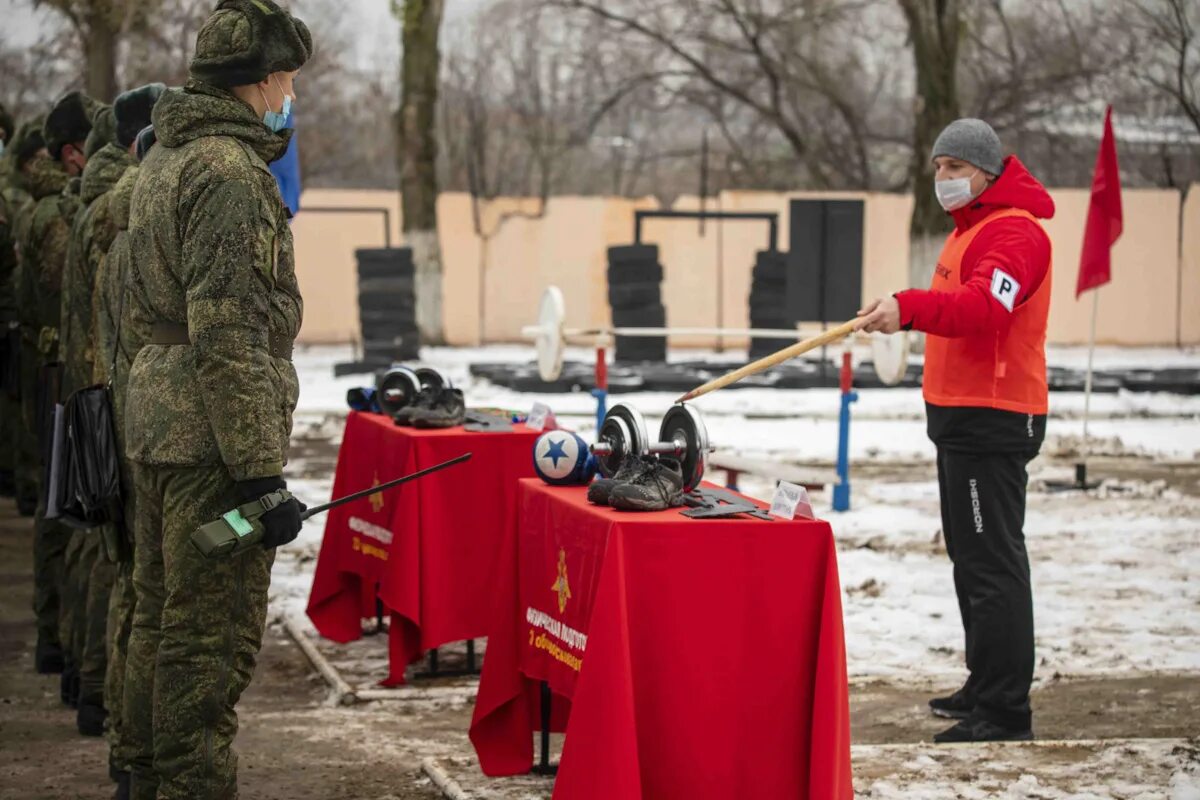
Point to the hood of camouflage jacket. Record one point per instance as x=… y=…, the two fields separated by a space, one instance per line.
x=198 y=110
x=44 y=176
x=103 y=170
x=122 y=198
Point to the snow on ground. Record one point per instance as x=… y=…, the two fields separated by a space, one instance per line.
x=1116 y=578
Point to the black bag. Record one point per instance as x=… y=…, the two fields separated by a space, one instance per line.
x=89 y=469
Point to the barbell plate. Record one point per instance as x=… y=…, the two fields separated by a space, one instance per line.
x=890 y=356
x=624 y=430
x=552 y=311
x=397 y=388
x=684 y=424
x=432 y=378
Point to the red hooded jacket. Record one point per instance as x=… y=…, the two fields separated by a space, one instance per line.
x=1017 y=246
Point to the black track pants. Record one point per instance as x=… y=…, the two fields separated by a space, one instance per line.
x=983 y=517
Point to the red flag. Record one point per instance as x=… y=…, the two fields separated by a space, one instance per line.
x=1104 y=215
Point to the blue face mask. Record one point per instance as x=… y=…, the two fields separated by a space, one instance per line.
x=277 y=120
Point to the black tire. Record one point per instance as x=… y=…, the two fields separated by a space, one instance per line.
x=392 y=321
x=632 y=295
x=381 y=301
x=770 y=266
x=633 y=254
x=637 y=350
x=393 y=286
x=650 y=316
x=620 y=274
x=384 y=262
x=771 y=303
x=386 y=351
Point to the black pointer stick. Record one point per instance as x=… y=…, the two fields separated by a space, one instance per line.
x=383 y=486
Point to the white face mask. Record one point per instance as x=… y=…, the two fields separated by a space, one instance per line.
x=954 y=193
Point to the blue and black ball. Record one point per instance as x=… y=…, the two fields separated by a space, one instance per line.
x=561 y=458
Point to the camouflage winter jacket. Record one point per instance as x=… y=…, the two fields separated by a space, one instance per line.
x=211 y=250
x=43 y=229
x=91 y=235
x=110 y=304
x=12 y=196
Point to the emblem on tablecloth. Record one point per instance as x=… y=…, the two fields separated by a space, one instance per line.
x=376 y=499
x=561 y=586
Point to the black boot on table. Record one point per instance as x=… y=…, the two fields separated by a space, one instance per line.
x=600 y=490
x=658 y=488
x=425 y=399
x=448 y=410
x=977 y=729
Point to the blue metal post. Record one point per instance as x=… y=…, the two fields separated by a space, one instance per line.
x=601 y=390
x=841 y=490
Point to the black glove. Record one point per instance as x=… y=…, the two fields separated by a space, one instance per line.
x=282 y=523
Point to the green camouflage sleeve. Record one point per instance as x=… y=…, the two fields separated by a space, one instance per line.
x=228 y=257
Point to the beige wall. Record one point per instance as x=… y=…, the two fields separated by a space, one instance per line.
x=492 y=282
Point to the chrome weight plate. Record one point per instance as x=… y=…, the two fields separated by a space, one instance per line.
x=396 y=389
x=431 y=378
x=623 y=432
x=552 y=311
x=684 y=427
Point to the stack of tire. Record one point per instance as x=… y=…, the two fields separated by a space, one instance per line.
x=387 y=305
x=635 y=295
x=768 y=300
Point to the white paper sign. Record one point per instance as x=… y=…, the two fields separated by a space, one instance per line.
x=791 y=500
x=537 y=417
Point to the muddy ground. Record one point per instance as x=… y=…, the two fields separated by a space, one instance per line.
x=294 y=746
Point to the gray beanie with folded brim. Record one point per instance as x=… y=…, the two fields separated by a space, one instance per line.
x=973 y=141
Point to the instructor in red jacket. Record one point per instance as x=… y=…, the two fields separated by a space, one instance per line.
x=985 y=397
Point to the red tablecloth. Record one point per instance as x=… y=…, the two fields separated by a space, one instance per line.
x=698 y=659
x=429 y=546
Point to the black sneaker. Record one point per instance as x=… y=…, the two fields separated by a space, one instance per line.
x=90 y=719
x=448 y=410
x=425 y=399
x=656 y=489
x=957 y=706
x=48 y=657
x=977 y=729
x=632 y=466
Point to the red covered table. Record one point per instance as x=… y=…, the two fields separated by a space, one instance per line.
x=696 y=658
x=426 y=549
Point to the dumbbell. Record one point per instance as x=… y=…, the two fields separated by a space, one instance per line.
x=682 y=435
x=398 y=386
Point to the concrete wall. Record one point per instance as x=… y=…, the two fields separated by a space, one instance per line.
x=493 y=281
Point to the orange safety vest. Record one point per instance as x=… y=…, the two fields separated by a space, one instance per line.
x=1004 y=369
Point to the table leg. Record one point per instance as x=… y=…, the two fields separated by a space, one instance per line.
x=544 y=767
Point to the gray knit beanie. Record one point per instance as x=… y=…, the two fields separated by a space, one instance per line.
x=973 y=141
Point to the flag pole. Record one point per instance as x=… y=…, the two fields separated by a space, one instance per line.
x=1081 y=468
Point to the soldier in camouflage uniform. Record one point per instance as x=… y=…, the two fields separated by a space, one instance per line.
x=14 y=194
x=43 y=249
x=117 y=342
x=210 y=398
x=9 y=397
x=89 y=239
x=42 y=241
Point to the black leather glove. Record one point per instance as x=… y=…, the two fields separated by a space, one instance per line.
x=282 y=523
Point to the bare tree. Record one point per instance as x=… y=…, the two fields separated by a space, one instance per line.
x=1172 y=68
x=99 y=25
x=420 y=62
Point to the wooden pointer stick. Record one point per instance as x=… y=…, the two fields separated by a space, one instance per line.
x=754 y=367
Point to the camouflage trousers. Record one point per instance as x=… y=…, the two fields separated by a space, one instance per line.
x=50 y=541
x=197 y=629
x=121 y=606
x=93 y=657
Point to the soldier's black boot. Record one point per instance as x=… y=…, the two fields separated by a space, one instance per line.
x=8 y=485
x=977 y=729
x=122 y=792
x=90 y=719
x=658 y=488
x=47 y=657
x=448 y=410
x=68 y=686
x=26 y=504
x=600 y=490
